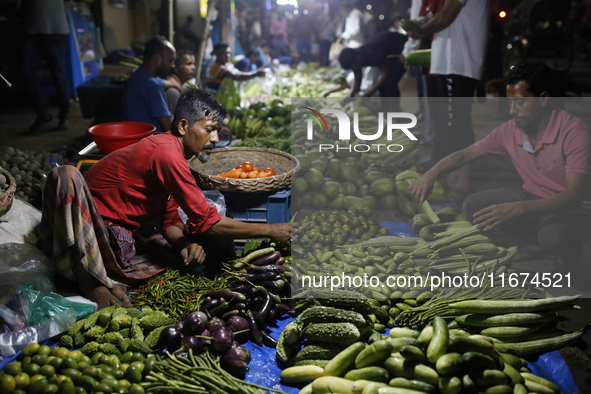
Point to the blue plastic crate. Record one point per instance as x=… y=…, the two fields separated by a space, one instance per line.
x=260 y=208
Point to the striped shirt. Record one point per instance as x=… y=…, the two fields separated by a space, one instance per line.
x=216 y=74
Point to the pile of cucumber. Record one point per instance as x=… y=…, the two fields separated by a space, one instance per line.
x=327 y=322
x=521 y=327
x=434 y=360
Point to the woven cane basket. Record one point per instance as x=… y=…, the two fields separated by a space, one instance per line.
x=222 y=160
x=7 y=196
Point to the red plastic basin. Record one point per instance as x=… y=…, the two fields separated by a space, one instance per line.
x=112 y=136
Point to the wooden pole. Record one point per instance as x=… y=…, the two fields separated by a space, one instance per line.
x=170 y=22
x=203 y=42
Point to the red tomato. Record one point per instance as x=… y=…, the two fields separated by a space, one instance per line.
x=270 y=171
x=247 y=166
x=239 y=168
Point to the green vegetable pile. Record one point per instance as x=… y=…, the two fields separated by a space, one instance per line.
x=130 y=329
x=175 y=293
x=434 y=360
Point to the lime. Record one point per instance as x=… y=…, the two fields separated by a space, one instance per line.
x=138 y=357
x=136 y=389
x=78 y=355
x=39 y=359
x=13 y=368
x=7 y=383
x=44 y=350
x=22 y=381
x=79 y=390
x=47 y=370
x=30 y=350
x=69 y=362
x=38 y=386
x=51 y=389
x=56 y=362
x=82 y=365
x=31 y=369
x=104 y=359
x=60 y=352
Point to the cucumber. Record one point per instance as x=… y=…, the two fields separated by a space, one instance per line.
x=450 y=364
x=343 y=333
x=303 y=374
x=318 y=363
x=510 y=331
x=360 y=385
x=469 y=384
x=373 y=388
x=398 y=343
x=513 y=374
x=374 y=354
x=398 y=366
x=541 y=345
x=412 y=385
x=319 y=351
x=493 y=307
x=463 y=344
x=479 y=361
x=499 y=389
x=541 y=381
x=489 y=377
x=519 y=389
x=509 y=319
x=403 y=332
x=413 y=353
x=440 y=341
x=345 y=359
x=331 y=384
x=425 y=337
x=374 y=374
x=514 y=361
x=325 y=314
x=449 y=385
x=397 y=390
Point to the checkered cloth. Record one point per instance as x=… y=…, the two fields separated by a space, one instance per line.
x=71 y=220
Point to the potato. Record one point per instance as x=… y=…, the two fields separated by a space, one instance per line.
x=2 y=179
x=14 y=170
x=20 y=194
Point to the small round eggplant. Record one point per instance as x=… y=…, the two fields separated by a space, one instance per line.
x=221 y=341
x=170 y=337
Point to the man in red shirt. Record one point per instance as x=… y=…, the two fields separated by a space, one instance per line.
x=550 y=149
x=129 y=187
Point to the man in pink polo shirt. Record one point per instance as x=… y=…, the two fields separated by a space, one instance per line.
x=551 y=150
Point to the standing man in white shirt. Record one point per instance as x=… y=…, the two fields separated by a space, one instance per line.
x=352 y=35
x=457 y=56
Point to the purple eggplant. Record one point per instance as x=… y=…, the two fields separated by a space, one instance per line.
x=192 y=343
x=195 y=323
x=270 y=259
x=179 y=325
x=206 y=342
x=170 y=337
x=237 y=324
x=235 y=343
x=215 y=324
x=268 y=340
x=255 y=332
x=235 y=361
x=227 y=294
x=221 y=341
x=266 y=268
x=229 y=314
x=259 y=277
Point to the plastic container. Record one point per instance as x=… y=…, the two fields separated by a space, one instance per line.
x=260 y=208
x=112 y=136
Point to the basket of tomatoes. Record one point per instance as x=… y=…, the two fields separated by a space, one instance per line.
x=245 y=170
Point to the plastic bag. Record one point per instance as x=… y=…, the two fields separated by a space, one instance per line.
x=214 y=198
x=42 y=305
x=13 y=342
x=21 y=262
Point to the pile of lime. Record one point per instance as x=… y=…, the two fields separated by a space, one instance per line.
x=59 y=371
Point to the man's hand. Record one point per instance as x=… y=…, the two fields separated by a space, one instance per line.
x=416 y=32
x=491 y=217
x=193 y=254
x=421 y=188
x=281 y=232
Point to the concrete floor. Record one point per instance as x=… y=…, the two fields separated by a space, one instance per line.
x=487 y=174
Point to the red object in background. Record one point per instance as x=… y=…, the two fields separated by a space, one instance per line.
x=112 y=136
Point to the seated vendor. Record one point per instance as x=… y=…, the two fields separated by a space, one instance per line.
x=144 y=99
x=550 y=149
x=248 y=62
x=220 y=70
x=88 y=223
x=184 y=70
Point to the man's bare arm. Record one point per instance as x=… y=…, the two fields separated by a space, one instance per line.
x=229 y=228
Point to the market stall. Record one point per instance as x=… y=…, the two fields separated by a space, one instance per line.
x=271 y=320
